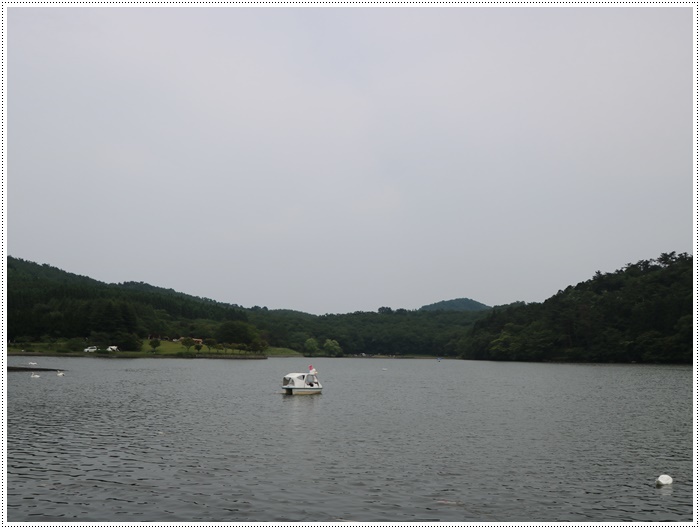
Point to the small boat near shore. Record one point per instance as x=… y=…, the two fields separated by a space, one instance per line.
x=302 y=383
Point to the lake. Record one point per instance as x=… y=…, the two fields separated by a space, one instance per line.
x=388 y=440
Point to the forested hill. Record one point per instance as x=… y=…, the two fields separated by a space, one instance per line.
x=45 y=302
x=458 y=304
x=640 y=313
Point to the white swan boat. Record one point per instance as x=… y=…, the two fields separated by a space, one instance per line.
x=302 y=383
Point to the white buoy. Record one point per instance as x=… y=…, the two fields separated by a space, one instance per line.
x=663 y=479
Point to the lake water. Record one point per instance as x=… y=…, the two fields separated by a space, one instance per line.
x=389 y=440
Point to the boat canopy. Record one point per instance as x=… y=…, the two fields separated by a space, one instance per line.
x=299 y=379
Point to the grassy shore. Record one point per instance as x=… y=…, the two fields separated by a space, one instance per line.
x=164 y=350
x=167 y=350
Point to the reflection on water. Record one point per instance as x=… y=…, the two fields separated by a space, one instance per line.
x=387 y=441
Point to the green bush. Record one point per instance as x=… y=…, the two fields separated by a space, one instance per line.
x=75 y=345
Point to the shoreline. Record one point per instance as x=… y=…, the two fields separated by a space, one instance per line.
x=128 y=355
x=194 y=356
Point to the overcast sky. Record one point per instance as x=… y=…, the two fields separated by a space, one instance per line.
x=332 y=160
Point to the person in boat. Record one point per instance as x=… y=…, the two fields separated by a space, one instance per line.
x=310 y=379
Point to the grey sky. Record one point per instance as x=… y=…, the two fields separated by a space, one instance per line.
x=339 y=159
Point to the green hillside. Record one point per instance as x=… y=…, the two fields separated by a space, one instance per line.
x=640 y=313
x=45 y=304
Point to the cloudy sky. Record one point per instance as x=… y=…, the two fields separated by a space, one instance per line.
x=339 y=159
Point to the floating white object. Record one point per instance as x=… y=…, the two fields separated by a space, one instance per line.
x=34 y=375
x=663 y=479
x=60 y=373
x=302 y=383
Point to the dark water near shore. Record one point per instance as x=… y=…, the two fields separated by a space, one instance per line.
x=388 y=441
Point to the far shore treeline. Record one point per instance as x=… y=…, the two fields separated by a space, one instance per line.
x=639 y=313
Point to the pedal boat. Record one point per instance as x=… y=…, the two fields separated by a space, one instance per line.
x=302 y=383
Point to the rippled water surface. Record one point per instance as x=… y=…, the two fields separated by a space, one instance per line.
x=388 y=441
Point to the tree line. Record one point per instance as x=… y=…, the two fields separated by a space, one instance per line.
x=46 y=304
x=640 y=313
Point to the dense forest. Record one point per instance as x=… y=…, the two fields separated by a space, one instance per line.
x=640 y=313
x=47 y=304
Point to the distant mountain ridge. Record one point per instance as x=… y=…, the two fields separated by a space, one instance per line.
x=459 y=304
